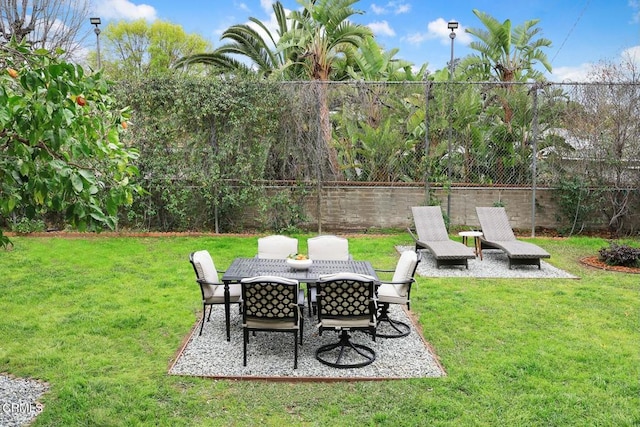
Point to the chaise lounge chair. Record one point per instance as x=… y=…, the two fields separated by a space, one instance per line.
x=432 y=235
x=498 y=234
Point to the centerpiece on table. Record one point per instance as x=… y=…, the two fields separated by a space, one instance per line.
x=299 y=261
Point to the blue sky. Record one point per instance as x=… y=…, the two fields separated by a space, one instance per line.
x=583 y=32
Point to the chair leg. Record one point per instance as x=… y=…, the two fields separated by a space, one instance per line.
x=202 y=324
x=204 y=314
x=401 y=329
x=244 y=346
x=311 y=297
x=346 y=347
x=301 y=320
x=295 y=349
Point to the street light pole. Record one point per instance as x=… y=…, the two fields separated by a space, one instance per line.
x=452 y=25
x=96 y=22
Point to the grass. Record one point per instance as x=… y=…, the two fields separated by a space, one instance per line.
x=100 y=319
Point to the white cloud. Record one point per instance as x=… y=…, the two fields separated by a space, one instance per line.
x=227 y=22
x=378 y=10
x=125 y=9
x=402 y=8
x=635 y=7
x=584 y=72
x=632 y=53
x=438 y=30
x=579 y=73
x=397 y=7
x=381 y=28
x=416 y=38
x=266 y=5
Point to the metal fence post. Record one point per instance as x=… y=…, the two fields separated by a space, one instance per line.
x=534 y=159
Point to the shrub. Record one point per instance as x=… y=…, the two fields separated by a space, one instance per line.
x=26 y=226
x=623 y=255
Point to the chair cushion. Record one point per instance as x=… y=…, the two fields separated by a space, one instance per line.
x=450 y=249
x=332 y=248
x=205 y=267
x=405 y=269
x=389 y=293
x=277 y=247
x=214 y=294
x=353 y=322
x=270 y=324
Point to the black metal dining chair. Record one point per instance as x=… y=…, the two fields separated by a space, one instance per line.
x=326 y=247
x=346 y=302
x=272 y=304
x=211 y=288
x=397 y=291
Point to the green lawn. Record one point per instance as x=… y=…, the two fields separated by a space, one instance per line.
x=100 y=319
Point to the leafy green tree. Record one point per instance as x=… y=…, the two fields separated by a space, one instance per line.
x=372 y=63
x=506 y=53
x=204 y=144
x=316 y=43
x=603 y=124
x=373 y=144
x=323 y=35
x=60 y=148
x=140 y=49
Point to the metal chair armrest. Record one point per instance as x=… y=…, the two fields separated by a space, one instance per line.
x=205 y=282
x=419 y=244
x=398 y=282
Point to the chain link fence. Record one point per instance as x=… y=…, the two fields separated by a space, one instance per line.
x=206 y=166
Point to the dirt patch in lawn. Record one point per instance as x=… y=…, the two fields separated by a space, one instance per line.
x=595 y=262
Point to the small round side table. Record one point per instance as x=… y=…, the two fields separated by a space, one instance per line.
x=476 y=240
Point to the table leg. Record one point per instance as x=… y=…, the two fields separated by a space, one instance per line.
x=478 y=244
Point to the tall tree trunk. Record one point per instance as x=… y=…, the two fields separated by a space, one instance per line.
x=333 y=164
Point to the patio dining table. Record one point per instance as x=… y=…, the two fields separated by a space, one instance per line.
x=242 y=268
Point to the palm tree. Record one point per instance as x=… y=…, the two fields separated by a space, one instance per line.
x=509 y=52
x=372 y=63
x=323 y=36
x=506 y=54
x=248 y=42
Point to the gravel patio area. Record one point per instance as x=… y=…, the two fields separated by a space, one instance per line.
x=494 y=264
x=270 y=355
